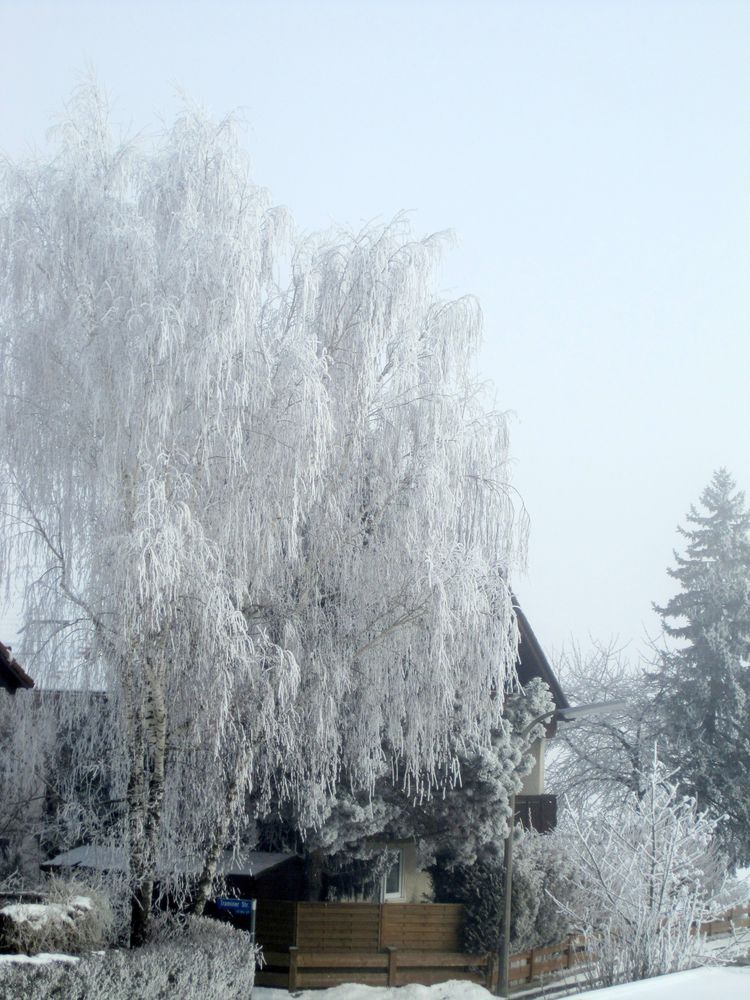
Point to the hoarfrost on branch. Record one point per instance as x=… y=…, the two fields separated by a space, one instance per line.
x=270 y=518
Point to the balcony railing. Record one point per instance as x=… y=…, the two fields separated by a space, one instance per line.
x=537 y=812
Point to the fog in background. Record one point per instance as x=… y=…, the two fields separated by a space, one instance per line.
x=592 y=158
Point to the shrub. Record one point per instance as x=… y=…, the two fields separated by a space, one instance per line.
x=642 y=879
x=192 y=958
x=538 y=874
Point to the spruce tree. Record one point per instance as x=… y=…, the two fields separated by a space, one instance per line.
x=703 y=680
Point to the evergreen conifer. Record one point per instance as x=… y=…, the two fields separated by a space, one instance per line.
x=703 y=680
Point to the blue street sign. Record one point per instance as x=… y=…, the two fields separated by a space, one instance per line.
x=240 y=907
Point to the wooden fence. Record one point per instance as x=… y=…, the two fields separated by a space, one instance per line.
x=739 y=916
x=301 y=968
x=395 y=944
x=321 y=944
x=526 y=966
x=359 y=927
x=304 y=968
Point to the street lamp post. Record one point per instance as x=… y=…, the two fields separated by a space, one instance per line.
x=562 y=715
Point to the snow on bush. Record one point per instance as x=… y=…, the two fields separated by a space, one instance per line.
x=540 y=872
x=643 y=880
x=190 y=959
x=65 y=918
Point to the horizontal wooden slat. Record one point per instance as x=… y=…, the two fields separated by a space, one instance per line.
x=550 y=949
x=325 y=933
x=311 y=925
x=337 y=925
x=431 y=932
x=306 y=936
x=580 y=956
x=549 y=965
x=353 y=908
x=330 y=944
x=263 y=978
x=518 y=975
x=344 y=960
x=414 y=959
x=275 y=957
x=435 y=927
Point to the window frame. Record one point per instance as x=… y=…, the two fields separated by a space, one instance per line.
x=399 y=851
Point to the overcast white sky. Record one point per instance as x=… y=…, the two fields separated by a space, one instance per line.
x=593 y=158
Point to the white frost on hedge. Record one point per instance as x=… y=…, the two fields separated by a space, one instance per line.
x=193 y=959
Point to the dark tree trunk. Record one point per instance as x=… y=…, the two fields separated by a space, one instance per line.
x=140 y=913
x=314 y=877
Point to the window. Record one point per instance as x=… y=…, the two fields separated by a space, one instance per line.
x=393 y=881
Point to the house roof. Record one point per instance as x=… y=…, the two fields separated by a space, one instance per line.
x=252 y=863
x=533 y=661
x=12 y=674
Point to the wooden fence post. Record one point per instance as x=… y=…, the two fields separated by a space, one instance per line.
x=392 y=966
x=569 y=951
x=532 y=956
x=491 y=970
x=293 y=957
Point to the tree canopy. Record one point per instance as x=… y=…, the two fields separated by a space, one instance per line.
x=249 y=488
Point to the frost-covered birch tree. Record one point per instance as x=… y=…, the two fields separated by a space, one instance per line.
x=249 y=488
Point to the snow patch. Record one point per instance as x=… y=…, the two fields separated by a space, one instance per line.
x=728 y=983
x=37 y=915
x=41 y=959
x=452 y=990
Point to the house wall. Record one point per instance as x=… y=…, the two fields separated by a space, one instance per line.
x=416 y=885
x=533 y=783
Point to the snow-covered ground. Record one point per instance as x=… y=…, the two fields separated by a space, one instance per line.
x=729 y=983
x=453 y=990
x=721 y=983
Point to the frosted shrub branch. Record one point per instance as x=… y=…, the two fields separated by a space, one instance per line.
x=643 y=881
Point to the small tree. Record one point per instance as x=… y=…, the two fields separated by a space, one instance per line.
x=702 y=685
x=599 y=760
x=643 y=880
